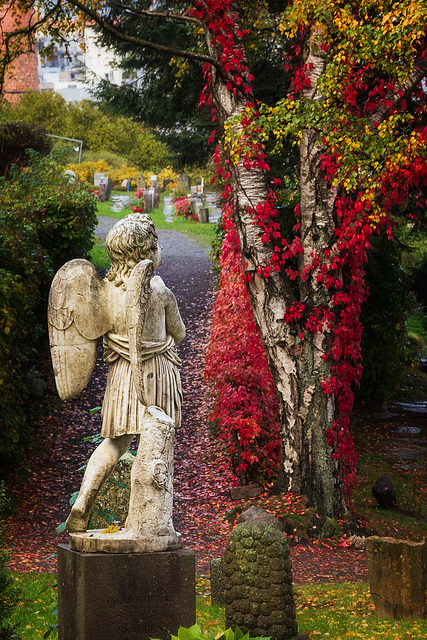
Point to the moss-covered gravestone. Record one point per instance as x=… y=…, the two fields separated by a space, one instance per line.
x=397 y=577
x=113 y=500
x=258 y=582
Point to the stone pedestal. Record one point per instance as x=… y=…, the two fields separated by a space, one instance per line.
x=136 y=596
x=397 y=577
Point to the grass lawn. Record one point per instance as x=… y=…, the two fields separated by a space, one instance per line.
x=342 y=611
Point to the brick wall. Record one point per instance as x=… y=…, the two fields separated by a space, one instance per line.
x=23 y=72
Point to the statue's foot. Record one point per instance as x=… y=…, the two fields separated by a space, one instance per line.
x=75 y=523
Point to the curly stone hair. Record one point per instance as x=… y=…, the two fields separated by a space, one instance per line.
x=130 y=240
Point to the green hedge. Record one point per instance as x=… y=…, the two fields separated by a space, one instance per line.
x=45 y=220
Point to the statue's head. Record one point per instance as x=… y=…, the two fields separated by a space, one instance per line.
x=131 y=240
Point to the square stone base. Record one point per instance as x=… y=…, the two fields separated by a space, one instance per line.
x=136 y=596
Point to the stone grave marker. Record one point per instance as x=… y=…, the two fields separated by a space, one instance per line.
x=217 y=582
x=140 y=182
x=184 y=182
x=97 y=178
x=258 y=582
x=101 y=192
x=397 y=577
x=108 y=189
x=204 y=215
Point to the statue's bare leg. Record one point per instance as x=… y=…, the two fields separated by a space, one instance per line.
x=101 y=464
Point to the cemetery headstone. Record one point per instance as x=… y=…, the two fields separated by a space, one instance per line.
x=217 y=579
x=184 y=182
x=153 y=182
x=108 y=189
x=141 y=182
x=148 y=200
x=204 y=215
x=397 y=577
x=97 y=178
x=113 y=500
x=258 y=582
x=101 y=192
x=156 y=200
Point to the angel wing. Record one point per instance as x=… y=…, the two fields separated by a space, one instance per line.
x=77 y=317
x=137 y=294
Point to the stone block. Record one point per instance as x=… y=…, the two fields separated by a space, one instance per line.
x=136 y=596
x=397 y=577
x=204 y=215
x=217 y=582
x=245 y=491
x=268 y=604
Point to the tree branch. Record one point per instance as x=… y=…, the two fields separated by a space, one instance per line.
x=155 y=14
x=395 y=97
x=181 y=53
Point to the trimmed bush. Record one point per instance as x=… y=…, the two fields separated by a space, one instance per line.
x=45 y=220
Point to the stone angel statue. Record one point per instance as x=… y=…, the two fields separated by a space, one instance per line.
x=139 y=320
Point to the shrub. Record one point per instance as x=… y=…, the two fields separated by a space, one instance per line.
x=45 y=220
x=183 y=208
x=245 y=412
x=9 y=594
x=15 y=139
x=85 y=171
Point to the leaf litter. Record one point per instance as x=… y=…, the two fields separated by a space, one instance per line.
x=202 y=473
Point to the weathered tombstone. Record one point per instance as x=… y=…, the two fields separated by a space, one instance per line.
x=108 y=189
x=217 y=582
x=204 y=215
x=258 y=582
x=124 y=183
x=140 y=182
x=153 y=182
x=156 y=200
x=97 y=178
x=383 y=491
x=101 y=192
x=245 y=491
x=257 y=514
x=113 y=499
x=114 y=583
x=148 y=200
x=184 y=182
x=397 y=577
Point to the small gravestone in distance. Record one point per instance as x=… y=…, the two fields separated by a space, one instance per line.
x=397 y=577
x=184 y=182
x=217 y=582
x=140 y=183
x=97 y=178
x=258 y=582
x=101 y=192
x=108 y=189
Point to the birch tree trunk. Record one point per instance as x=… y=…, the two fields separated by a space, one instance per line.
x=306 y=413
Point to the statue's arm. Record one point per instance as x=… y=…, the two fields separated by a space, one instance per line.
x=174 y=324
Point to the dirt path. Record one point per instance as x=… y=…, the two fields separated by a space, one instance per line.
x=202 y=476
